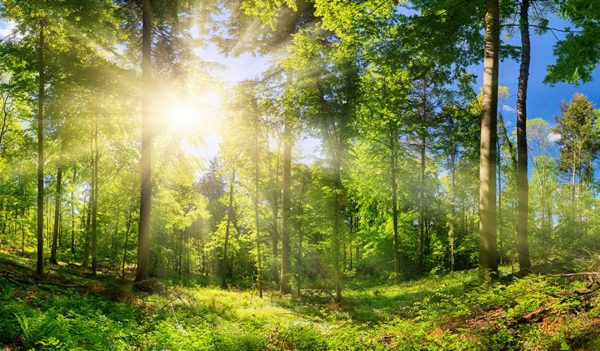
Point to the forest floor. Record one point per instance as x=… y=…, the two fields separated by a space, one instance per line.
x=71 y=310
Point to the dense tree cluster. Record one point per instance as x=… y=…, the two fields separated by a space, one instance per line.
x=383 y=85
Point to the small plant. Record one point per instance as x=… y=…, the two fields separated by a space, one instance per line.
x=25 y=326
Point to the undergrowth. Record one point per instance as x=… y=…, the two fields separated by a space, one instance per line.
x=450 y=312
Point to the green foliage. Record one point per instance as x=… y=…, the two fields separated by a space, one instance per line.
x=577 y=54
x=450 y=312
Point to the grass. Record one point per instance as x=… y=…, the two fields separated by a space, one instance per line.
x=450 y=312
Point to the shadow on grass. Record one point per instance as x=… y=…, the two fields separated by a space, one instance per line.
x=369 y=303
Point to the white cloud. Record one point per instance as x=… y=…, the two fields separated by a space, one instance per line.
x=508 y=108
x=553 y=137
x=7 y=28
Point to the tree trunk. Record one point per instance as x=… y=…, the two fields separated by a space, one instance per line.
x=299 y=259
x=522 y=181
x=47 y=220
x=225 y=266
x=73 y=211
x=452 y=233
x=285 y=220
x=337 y=229
x=86 y=229
x=487 y=168
x=275 y=224
x=22 y=232
x=40 y=150
x=499 y=210
x=146 y=161
x=259 y=272
x=421 y=258
x=95 y=200
x=56 y=215
x=125 y=245
x=350 y=241
x=257 y=228
x=299 y=262
x=180 y=257
x=394 y=184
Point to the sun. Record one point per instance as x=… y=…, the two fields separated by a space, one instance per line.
x=191 y=113
x=183 y=115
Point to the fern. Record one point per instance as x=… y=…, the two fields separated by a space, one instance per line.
x=25 y=326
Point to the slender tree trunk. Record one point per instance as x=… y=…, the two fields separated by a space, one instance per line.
x=257 y=228
x=40 y=150
x=47 y=219
x=225 y=267
x=487 y=171
x=86 y=220
x=180 y=257
x=522 y=181
x=299 y=262
x=188 y=261
x=61 y=230
x=499 y=187
x=126 y=245
x=350 y=241
x=259 y=272
x=422 y=151
x=22 y=232
x=285 y=235
x=299 y=259
x=394 y=184
x=95 y=200
x=275 y=211
x=146 y=161
x=58 y=200
x=452 y=233
x=73 y=211
x=337 y=229
x=421 y=258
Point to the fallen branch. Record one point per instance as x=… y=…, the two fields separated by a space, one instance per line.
x=576 y=274
x=588 y=289
x=536 y=313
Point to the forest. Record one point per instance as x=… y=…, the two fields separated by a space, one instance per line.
x=299 y=175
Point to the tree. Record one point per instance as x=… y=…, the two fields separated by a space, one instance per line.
x=56 y=59
x=57 y=214
x=146 y=160
x=94 y=195
x=40 y=149
x=487 y=173
x=543 y=178
x=522 y=172
x=285 y=219
x=578 y=141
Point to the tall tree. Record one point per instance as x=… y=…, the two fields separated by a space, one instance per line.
x=94 y=194
x=487 y=164
x=147 y=131
x=285 y=213
x=522 y=164
x=578 y=141
x=40 y=150
x=225 y=265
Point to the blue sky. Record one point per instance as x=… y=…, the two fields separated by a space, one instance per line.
x=543 y=100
